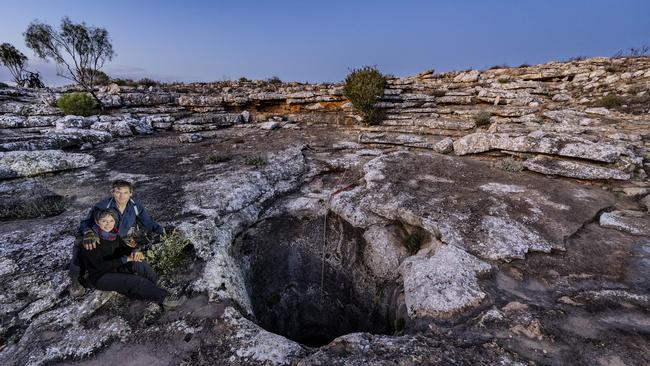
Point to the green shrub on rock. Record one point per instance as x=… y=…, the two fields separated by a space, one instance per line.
x=168 y=254
x=412 y=242
x=610 y=101
x=78 y=104
x=482 y=118
x=363 y=87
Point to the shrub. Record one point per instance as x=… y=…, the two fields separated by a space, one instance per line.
x=33 y=80
x=614 y=68
x=168 y=254
x=576 y=58
x=3 y=85
x=363 y=87
x=509 y=164
x=439 y=93
x=35 y=208
x=124 y=82
x=482 y=118
x=256 y=161
x=412 y=242
x=214 y=159
x=274 y=80
x=503 y=80
x=91 y=76
x=609 y=101
x=633 y=52
x=78 y=104
x=244 y=80
x=147 y=82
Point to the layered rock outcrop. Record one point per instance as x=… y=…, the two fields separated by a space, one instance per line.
x=444 y=231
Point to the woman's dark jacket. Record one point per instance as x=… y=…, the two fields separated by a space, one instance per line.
x=106 y=257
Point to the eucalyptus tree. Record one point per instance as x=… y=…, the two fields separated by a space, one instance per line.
x=78 y=50
x=15 y=61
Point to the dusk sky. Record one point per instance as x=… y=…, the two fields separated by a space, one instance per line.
x=321 y=41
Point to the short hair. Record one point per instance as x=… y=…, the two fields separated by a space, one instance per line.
x=122 y=183
x=100 y=214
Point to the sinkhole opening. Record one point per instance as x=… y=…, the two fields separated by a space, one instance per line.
x=310 y=288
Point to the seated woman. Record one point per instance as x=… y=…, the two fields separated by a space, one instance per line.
x=115 y=266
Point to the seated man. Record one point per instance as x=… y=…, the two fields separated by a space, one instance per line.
x=129 y=212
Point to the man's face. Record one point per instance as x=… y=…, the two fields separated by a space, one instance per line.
x=121 y=195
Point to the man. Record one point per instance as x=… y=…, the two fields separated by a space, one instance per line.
x=130 y=213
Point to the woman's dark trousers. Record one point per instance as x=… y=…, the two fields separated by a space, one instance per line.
x=136 y=280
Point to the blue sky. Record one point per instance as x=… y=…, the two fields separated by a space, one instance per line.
x=322 y=40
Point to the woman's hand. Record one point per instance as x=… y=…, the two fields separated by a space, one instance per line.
x=90 y=240
x=136 y=256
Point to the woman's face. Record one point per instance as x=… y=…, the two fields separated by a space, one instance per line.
x=106 y=223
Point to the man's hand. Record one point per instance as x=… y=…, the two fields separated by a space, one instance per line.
x=90 y=240
x=135 y=256
x=130 y=241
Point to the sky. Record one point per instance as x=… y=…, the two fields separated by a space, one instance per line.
x=319 y=41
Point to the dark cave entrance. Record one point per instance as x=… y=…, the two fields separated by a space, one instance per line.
x=294 y=295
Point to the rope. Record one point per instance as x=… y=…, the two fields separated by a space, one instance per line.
x=327 y=206
x=322 y=258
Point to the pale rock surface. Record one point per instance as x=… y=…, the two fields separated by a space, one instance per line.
x=270 y=125
x=445 y=146
x=509 y=214
x=572 y=169
x=540 y=142
x=467 y=77
x=633 y=222
x=252 y=344
x=229 y=202
x=15 y=164
x=383 y=255
x=443 y=285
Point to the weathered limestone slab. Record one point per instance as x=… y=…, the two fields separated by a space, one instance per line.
x=390 y=138
x=384 y=252
x=443 y=285
x=573 y=169
x=217 y=119
x=13 y=121
x=146 y=99
x=540 y=142
x=445 y=124
x=467 y=77
x=254 y=345
x=16 y=164
x=200 y=101
x=490 y=213
x=53 y=139
x=633 y=222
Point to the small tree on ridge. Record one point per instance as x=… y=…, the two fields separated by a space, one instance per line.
x=78 y=50
x=15 y=61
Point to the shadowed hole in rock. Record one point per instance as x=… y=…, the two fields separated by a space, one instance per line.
x=281 y=260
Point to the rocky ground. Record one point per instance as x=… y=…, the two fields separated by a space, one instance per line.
x=445 y=235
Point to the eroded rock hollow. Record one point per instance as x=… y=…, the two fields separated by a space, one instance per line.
x=309 y=285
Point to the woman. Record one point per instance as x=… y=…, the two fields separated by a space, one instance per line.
x=115 y=266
